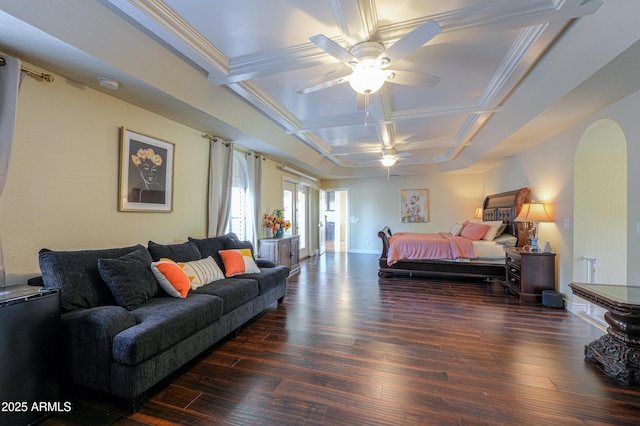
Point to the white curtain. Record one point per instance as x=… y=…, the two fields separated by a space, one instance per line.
x=9 y=83
x=254 y=189
x=220 y=180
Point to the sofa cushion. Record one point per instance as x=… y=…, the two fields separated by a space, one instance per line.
x=130 y=278
x=211 y=246
x=234 y=243
x=233 y=291
x=182 y=252
x=75 y=274
x=171 y=278
x=163 y=322
x=238 y=261
x=268 y=278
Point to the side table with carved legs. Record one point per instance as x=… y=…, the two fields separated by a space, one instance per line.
x=618 y=351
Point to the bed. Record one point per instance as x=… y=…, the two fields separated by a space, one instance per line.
x=486 y=265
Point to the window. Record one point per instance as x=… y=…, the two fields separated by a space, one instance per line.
x=240 y=218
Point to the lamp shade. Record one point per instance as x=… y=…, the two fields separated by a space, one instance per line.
x=478 y=213
x=533 y=212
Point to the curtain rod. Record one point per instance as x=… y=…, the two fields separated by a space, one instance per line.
x=239 y=148
x=215 y=139
x=42 y=75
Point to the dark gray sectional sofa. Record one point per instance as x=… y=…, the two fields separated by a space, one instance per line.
x=126 y=351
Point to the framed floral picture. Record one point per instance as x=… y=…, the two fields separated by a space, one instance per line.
x=146 y=173
x=414 y=205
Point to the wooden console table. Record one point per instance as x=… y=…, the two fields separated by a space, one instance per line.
x=282 y=251
x=618 y=351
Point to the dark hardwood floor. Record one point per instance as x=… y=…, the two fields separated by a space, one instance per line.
x=348 y=348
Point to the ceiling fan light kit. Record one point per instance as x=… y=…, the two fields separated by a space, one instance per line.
x=367 y=77
x=368 y=73
x=388 y=160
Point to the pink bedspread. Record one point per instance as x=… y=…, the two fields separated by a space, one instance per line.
x=413 y=246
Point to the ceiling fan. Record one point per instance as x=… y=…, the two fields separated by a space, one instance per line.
x=390 y=156
x=370 y=60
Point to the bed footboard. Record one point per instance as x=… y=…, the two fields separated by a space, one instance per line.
x=384 y=234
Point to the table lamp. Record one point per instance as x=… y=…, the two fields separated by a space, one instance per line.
x=533 y=213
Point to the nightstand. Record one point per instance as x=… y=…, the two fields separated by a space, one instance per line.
x=529 y=273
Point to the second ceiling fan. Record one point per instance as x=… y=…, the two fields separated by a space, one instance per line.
x=369 y=61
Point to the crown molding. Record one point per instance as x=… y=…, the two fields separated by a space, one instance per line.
x=158 y=17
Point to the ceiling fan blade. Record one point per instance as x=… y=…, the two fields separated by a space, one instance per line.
x=333 y=49
x=411 y=41
x=323 y=85
x=409 y=78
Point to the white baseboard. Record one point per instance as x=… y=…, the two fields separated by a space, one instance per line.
x=580 y=309
x=364 y=251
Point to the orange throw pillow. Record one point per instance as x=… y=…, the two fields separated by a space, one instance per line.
x=171 y=278
x=238 y=261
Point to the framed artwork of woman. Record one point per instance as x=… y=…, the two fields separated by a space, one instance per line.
x=146 y=173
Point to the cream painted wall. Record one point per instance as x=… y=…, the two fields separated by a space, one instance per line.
x=375 y=203
x=61 y=191
x=547 y=169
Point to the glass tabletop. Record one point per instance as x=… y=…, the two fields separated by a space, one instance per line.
x=623 y=294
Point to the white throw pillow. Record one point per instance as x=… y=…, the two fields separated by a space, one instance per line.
x=202 y=272
x=494 y=226
x=455 y=229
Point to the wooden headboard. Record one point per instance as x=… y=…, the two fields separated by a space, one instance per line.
x=506 y=207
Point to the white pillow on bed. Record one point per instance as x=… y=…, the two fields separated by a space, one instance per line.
x=506 y=240
x=494 y=226
x=503 y=228
x=455 y=229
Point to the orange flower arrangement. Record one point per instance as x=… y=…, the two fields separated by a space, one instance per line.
x=276 y=221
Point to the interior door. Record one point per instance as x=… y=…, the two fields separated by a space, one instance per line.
x=296 y=204
x=302 y=222
x=322 y=237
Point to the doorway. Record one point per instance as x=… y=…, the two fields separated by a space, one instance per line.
x=295 y=199
x=336 y=214
x=600 y=208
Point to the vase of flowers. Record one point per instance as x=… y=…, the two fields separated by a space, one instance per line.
x=276 y=222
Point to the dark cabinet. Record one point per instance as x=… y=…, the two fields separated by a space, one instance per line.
x=529 y=273
x=29 y=360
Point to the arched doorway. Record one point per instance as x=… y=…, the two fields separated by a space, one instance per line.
x=600 y=204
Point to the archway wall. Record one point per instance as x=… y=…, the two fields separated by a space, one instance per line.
x=548 y=170
x=600 y=203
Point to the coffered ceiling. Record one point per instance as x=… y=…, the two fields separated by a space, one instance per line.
x=494 y=62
